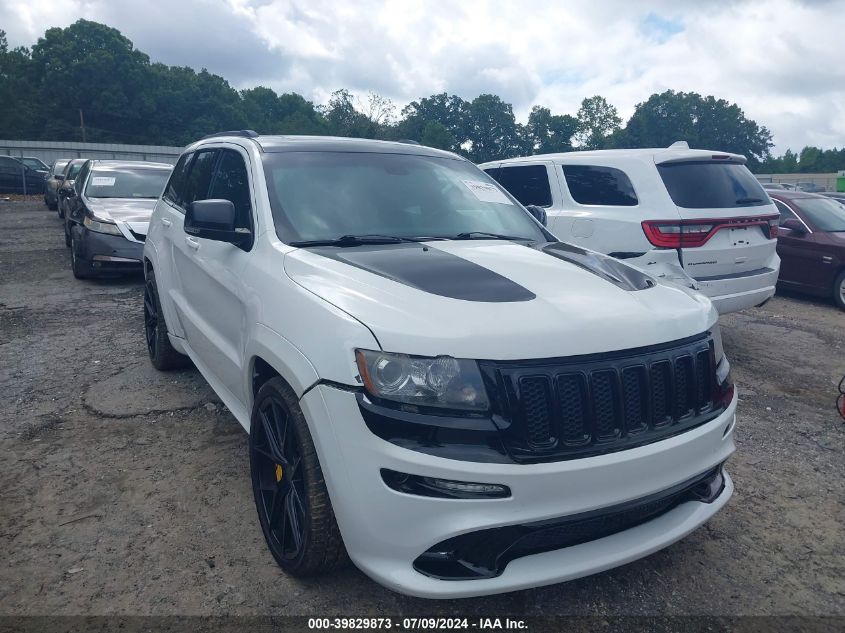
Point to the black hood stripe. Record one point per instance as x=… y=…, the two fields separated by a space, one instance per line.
x=431 y=270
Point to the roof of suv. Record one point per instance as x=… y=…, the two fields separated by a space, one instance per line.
x=290 y=143
x=658 y=154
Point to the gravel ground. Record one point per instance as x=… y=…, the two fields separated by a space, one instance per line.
x=126 y=491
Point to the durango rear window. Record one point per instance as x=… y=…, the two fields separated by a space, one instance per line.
x=711 y=185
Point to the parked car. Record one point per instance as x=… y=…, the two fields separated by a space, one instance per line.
x=774 y=186
x=430 y=379
x=839 y=196
x=35 y=163
x=108 y=212
x=16 y=177
x=695 y=217
x=811 y=244
x=68 y=179
x=809 y=187
x=57 y=175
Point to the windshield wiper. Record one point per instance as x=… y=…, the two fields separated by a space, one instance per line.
x=483 y=235
x=358 y=240
x=749 y=200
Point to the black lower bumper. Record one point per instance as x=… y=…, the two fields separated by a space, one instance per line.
x=486 y=553
x=104 y=253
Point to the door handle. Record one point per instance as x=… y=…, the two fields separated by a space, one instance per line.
x=193 y=243
x=166 y=222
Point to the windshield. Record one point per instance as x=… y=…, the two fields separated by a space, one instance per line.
x=712 y=185
x=327 y=195
x=126 y=182
x=823 y=213
x=74 y=169
x=59 y=167
x=34 y=163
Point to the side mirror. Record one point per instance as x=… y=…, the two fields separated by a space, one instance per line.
x=794 y=224
x=71 y=192
x=59 y=177
x=215 y=220
x=538 y=212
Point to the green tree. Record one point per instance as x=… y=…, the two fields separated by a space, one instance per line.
x=450 y=111
x=435 y=134
x=493 y=131
x=704 y=122
x=549 y=133
x=597 y=120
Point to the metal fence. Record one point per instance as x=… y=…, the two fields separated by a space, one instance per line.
x=48 y=151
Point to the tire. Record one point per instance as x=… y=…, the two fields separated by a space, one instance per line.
x=52 y=206
x=839 y=290
x=67 y=233
x=60 y=210
x=162 y=354
x=291 y=498
x=80 y=268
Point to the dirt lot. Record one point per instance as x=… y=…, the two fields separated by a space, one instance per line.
x=124 y=491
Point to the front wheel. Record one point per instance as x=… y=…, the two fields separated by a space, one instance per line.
x=839 y=291
x=290 y=493
x=81 y=269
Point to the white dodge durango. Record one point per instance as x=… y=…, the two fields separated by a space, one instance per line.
x=431 y=382
x=695 y=217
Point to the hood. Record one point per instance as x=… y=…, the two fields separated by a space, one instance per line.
x=131 y=210
x=498 y=300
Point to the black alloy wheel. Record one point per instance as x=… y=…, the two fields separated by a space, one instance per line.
x=163 y=355
x=290 y=494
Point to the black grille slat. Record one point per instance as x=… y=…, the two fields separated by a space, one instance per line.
x=604 y=396
x=633 y=401
x=535 y=394
x=684 y=386
x=607 y=402
x=571 y=397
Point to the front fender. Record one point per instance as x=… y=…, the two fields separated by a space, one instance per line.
x=283 y=356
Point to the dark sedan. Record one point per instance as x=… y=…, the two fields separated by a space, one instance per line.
x=54 y=181
x=108 y=213
x=811 y=244
x=16 y=177
x=66 y=186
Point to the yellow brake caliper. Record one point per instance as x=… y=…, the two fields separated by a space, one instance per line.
x=278 y=473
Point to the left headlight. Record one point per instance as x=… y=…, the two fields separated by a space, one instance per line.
x=98 y=226
x=718 y=348
x=433 y=382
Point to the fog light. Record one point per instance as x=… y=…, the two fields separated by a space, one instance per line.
x=443 y=488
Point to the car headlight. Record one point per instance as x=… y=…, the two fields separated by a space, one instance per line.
x=434 y=382
x=99 y=226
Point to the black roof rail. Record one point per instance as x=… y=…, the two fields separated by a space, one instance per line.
x=243 y=133
x=408 y=141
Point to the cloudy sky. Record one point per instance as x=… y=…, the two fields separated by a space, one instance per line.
x=781 y=60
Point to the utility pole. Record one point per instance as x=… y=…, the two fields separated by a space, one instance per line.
x=82 y=124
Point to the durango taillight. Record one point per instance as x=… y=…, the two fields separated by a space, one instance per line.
x=693 y=233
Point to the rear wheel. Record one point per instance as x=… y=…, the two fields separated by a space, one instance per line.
x=290 y=493
x=163 y=356
x=839 y=290
x=60 y=210
x=67 y=233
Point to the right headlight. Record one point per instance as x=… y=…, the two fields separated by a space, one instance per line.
x=717 y=342
x=442 y=381
x=99 y=226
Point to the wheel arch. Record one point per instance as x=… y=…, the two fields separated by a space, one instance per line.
x=270 y=354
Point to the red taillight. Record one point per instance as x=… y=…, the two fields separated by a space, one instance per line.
x=693 y=233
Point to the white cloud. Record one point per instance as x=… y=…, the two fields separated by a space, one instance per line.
x=778 y=60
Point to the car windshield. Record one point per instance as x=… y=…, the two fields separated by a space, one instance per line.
x=59 y=167
x=34 y=163
x=73 y=170
x=712 y=185
x=327 y=195
x=126 y=182
x=823 y=213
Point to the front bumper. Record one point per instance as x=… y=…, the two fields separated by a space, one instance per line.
x=108 y=253
x=385 y=530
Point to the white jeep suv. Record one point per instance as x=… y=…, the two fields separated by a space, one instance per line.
x=695 y=217
x=430 y=381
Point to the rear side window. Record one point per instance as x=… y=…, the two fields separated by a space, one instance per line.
x=712 y=185
x=232 y=183
x=785 y=212
x=527 y=183
x=9 y=166
x=607 y=186
x=175 y=189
